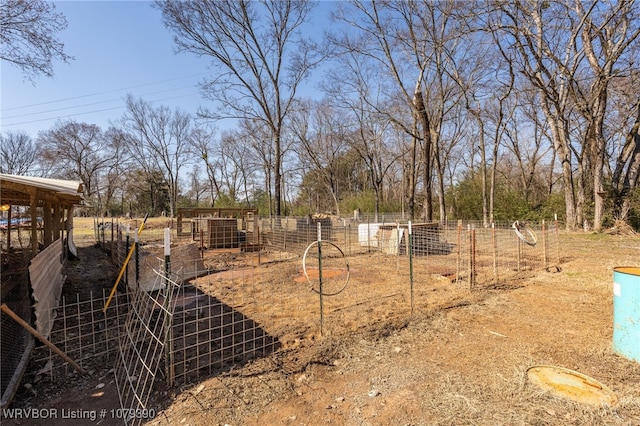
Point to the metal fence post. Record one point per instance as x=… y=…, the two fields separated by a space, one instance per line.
x=544 y=246
x=126 y=269
x=410 y=239
x=168 y=336
x=286 y=225
x=519 y=255
x=135 y=238
x=459 y=249
x=368 y=234
x=495 y=251
x=114 y=258
x=320 y=278
x=557 y=241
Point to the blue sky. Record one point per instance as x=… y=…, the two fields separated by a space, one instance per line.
x=120 y=47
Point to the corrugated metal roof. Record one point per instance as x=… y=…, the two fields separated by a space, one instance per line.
x=15 y=188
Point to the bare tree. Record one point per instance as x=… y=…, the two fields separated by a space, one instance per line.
x=607 y=32
x=198 y=188
x=322 y=134
x=376 y=41
x=486 y=92
x=262 y=60
x=474 y=86
x=570 y=51
x=112 y=178
x=524 y=28
x=527 y=139
x=160 y=140
x=77 y=151
x=239 y=165
x=626 y=175
x=356 y=93
x=28 y=36
x=228 y=164
x=371 y=140
x=254 y=134
x=410 y=43
x=18 y=154
x=204 y=146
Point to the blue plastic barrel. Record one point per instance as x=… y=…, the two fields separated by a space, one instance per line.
x=626 y=312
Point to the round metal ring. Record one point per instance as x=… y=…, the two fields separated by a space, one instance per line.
x=517 y=226
x=304 y=268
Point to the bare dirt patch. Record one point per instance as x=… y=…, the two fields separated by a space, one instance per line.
x=461 y=361
x=461 y=358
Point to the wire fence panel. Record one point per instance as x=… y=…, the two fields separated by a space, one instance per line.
x=144 y=343
x=210 y=336
x=432 y=264
x=84 y=332
x=237 y=305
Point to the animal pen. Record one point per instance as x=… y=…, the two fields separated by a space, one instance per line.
x=36 y=237
x=190 y=306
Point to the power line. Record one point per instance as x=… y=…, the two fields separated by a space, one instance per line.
x=91 y=112
x=101 y=93
x=90 y=104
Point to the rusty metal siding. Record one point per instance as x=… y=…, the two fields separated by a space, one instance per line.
x=45 y=272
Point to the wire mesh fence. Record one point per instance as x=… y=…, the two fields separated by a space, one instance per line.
x=469 y=248
x=232 y=305
x=211 y=336
x=388 y=261
x=145 y=342
x=15 y=341
x=84 y=332
x=411 y=267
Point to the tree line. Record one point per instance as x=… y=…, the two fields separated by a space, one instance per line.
x=488 y=110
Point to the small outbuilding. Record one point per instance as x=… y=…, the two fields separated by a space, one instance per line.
x=36 y=236
x=220 y=227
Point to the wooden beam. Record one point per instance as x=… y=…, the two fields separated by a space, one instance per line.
x=48 y=226
x=34 y=226
x=18 y=187
x=9 y=228
x=40 y=337
x=57 y=221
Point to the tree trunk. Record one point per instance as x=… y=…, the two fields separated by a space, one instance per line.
x=483 y=167
x=277 y=176
x=626 y=176
x=426 y=155
x=411 y=203
x=492 y=183
x=441 y=199
x=598 y=178
x=561 y=146
x=581 y=194
x=599 y=154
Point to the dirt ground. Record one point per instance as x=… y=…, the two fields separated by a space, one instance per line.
x=456 y=363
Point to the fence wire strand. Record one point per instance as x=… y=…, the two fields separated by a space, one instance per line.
x=233 y=304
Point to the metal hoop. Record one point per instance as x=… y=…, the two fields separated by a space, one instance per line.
x=304 y=269
x=516 y=227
